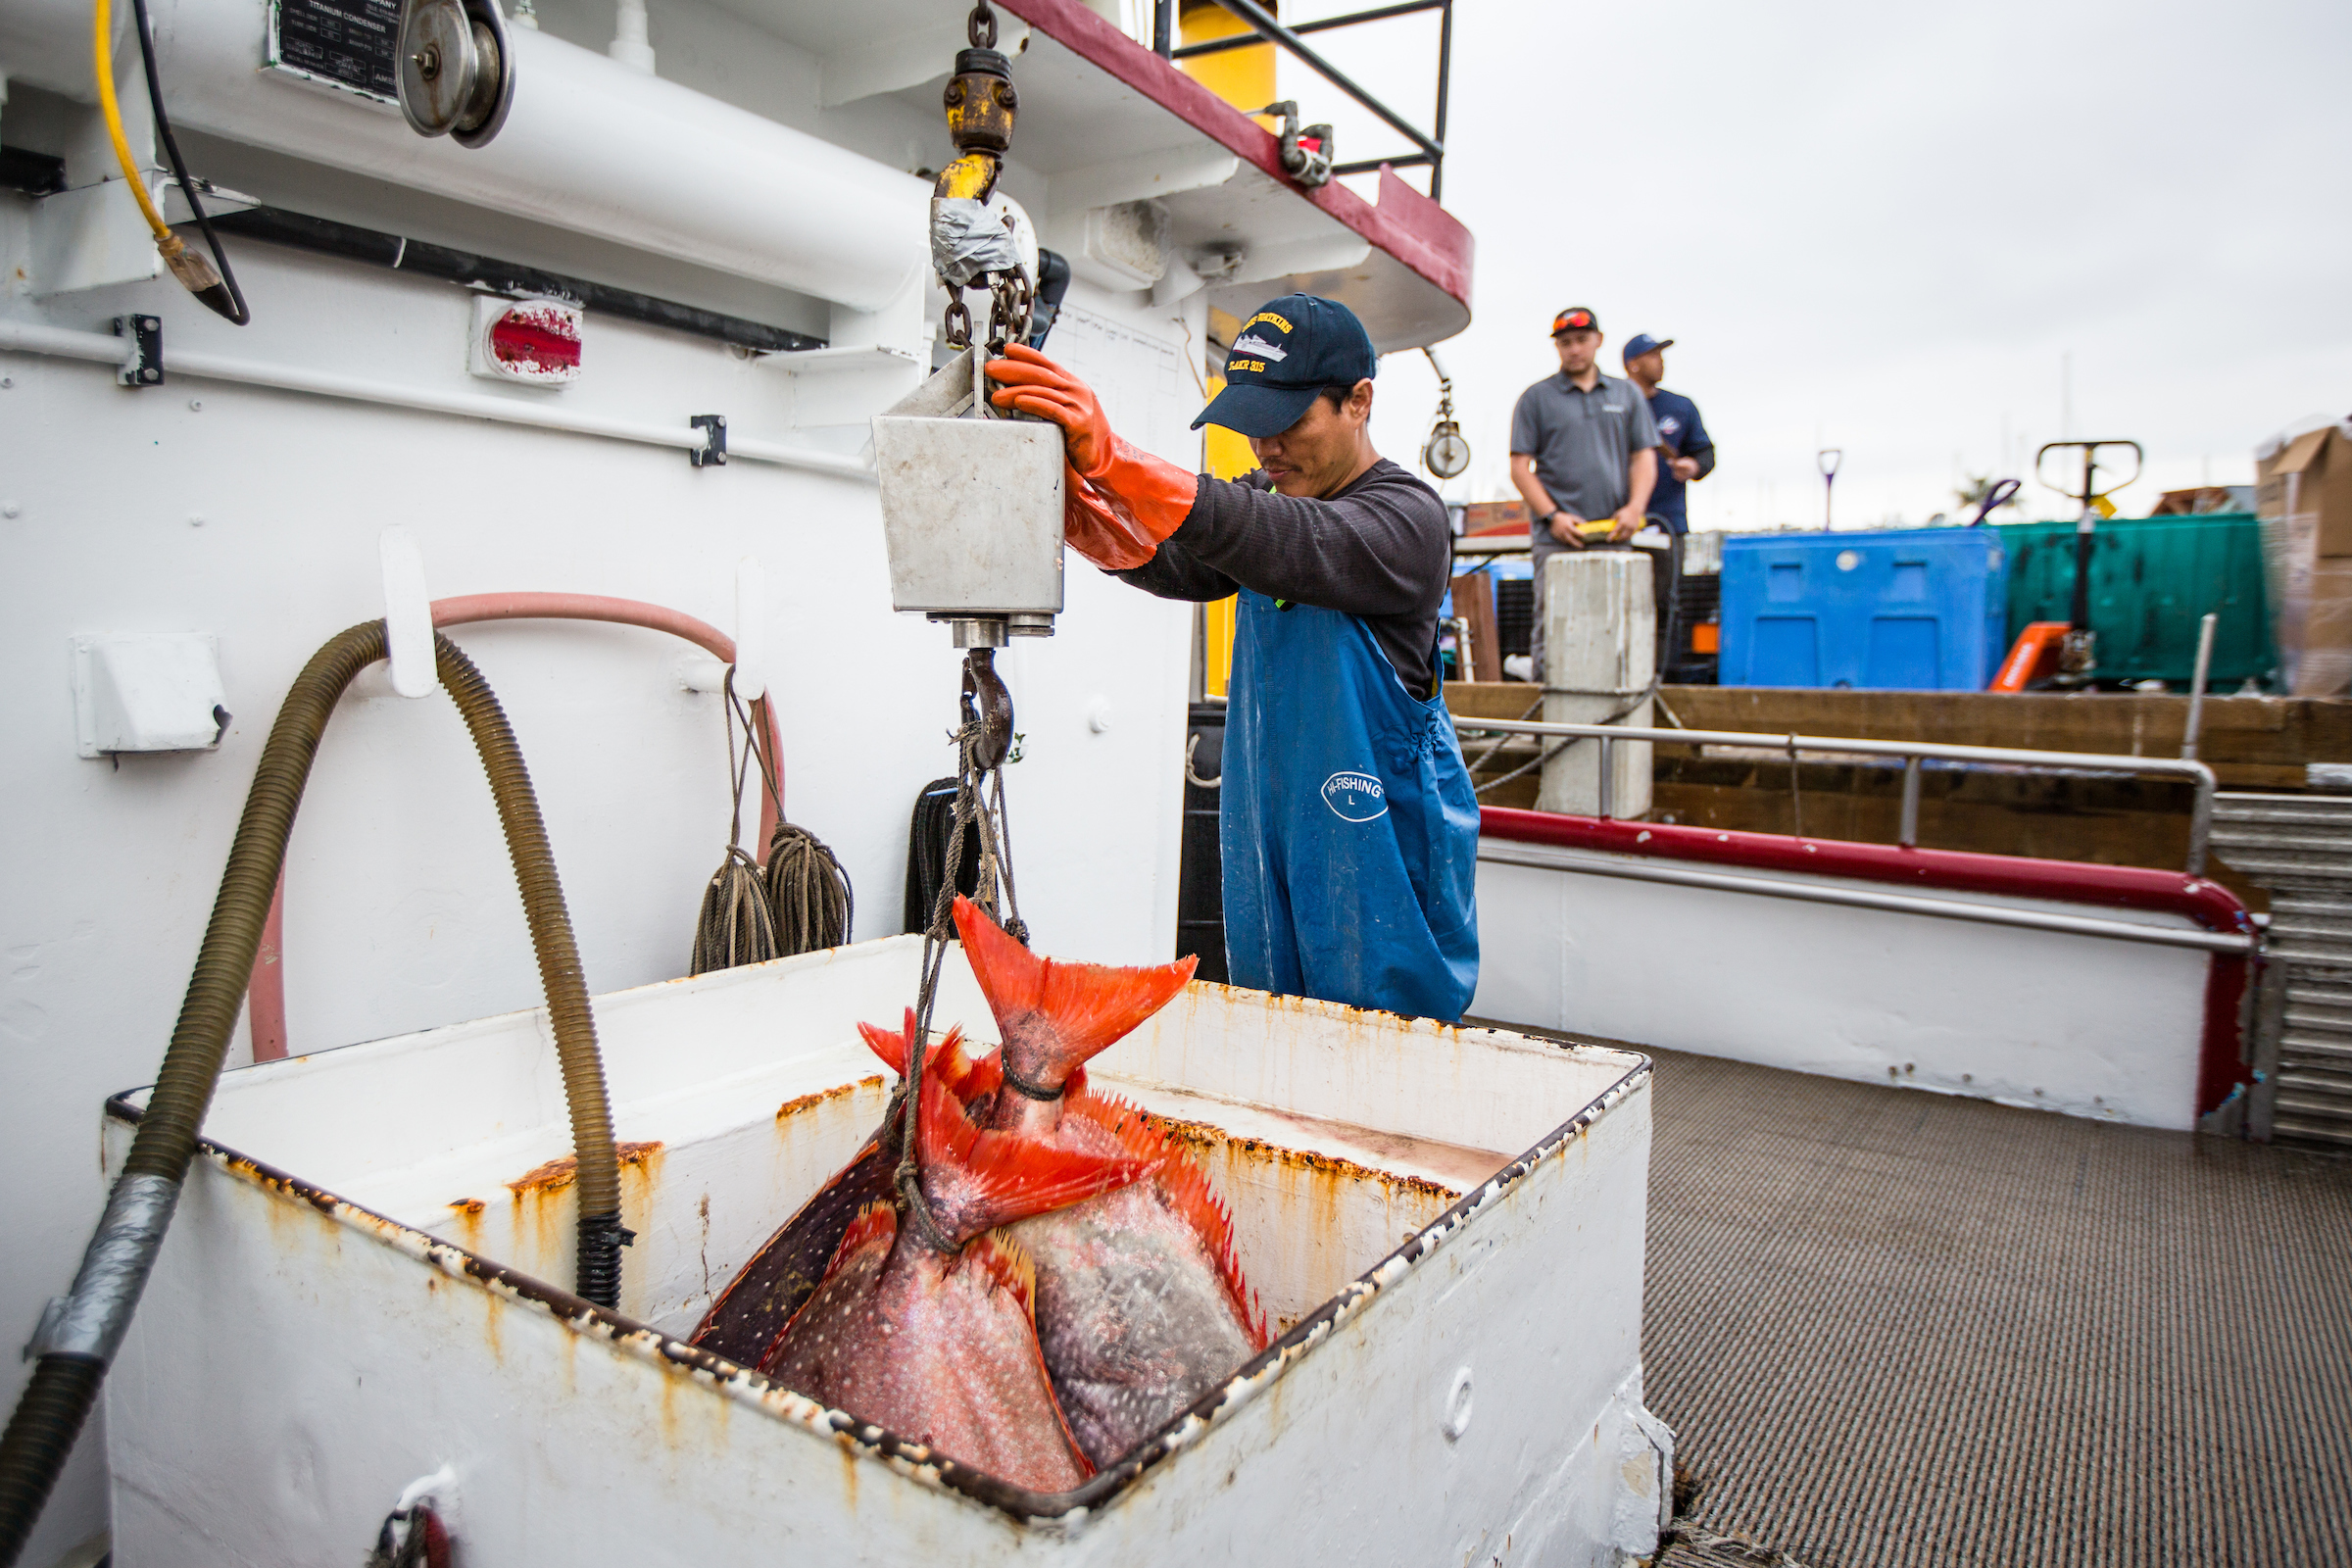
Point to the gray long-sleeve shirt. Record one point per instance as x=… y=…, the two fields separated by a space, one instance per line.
x=1379 y=551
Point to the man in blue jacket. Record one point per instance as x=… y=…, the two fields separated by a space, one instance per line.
x=1686 y=452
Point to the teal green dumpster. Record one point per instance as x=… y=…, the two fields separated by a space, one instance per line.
x=2151 y=579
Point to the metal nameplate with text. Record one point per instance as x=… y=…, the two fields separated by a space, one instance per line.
x=342 y=45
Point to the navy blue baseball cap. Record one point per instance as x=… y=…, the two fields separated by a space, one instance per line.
x=1642 y=343
x=1282 y=357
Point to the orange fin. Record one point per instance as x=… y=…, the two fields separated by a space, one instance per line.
x=892 y=1049
x=976 y=1181
x=1052 y=1015
x=1006 y=1264
x=968 y=1077
x=875 y=1222
x=1187 y=1191
x=957 y=1067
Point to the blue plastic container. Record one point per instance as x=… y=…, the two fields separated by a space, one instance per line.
x=1893 y=610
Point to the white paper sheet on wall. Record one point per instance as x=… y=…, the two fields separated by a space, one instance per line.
x=1139 y=377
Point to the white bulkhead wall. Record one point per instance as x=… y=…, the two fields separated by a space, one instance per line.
x=252 y=515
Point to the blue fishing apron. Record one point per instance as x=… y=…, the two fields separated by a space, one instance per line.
x=1348 y=824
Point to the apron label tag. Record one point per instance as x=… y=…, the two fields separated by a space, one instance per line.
x=1356 y=797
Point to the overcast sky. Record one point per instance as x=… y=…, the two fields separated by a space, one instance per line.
x=1884 y=228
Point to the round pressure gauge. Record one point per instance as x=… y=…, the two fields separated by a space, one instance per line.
x=1447 y=455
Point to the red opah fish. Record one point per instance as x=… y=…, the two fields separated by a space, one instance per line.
x=1141 y=1306
x=748 y=1314
x=939 y=1344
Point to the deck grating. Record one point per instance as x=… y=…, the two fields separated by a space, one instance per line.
x=1895 y=1328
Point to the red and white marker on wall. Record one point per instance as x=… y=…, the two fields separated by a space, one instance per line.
x=536 y=341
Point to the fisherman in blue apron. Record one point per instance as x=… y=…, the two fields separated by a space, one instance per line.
x=1349 y=822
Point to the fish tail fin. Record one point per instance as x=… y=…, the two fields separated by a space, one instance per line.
x=968 y=1076
x=876 y=1222
x=891 y=1047
x=1189 y=1193
x=1053 y=1016
x=975 y=1181
x=1007 y=1265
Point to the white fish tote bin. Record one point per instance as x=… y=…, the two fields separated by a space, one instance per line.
x=1444 y=1226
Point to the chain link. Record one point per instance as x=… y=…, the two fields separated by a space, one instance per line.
x=980 y=808
x=1012 y=306
x=1009 y=305
x=981 y=27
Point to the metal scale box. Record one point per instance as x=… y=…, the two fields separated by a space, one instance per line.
x=971 y=510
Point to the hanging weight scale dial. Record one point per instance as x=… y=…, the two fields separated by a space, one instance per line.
x=1446 y=452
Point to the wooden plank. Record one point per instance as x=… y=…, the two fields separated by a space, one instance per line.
x=1474 y=602
x=2268 y=732
x=1501 y=699
x=2102 y=820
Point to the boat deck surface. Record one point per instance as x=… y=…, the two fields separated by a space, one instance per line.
x=1896 y=1328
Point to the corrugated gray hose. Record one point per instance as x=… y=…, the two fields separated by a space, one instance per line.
x=81 y=1332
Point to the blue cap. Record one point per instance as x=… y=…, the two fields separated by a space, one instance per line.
x=1284 y=355
x=1642 y=343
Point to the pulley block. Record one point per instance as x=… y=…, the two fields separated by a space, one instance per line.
x=457 y=68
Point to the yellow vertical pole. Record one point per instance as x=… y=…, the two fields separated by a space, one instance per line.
x=1224 y=456
x=1244 y=79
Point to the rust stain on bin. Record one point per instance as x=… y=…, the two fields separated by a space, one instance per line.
x=849 y=1468
x=561 y=1171
x=539 y=1196
x=794 y=1106
x=1331 y=1169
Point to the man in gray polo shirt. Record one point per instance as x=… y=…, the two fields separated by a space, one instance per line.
x=1584 y=454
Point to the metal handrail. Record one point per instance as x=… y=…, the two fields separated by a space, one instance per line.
x=1912 y=753
x=1548 y=858
x=1268 y=29
x=1213 y=46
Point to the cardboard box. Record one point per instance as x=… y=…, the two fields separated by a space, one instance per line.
x=2311 y=476
x=2303 y=495
x=1505 y=517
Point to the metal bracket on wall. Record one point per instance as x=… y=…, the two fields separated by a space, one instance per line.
x=713 y=452
x=147 y=332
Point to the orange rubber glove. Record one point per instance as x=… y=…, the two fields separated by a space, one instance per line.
x=1106 y=527
x=1117 y=503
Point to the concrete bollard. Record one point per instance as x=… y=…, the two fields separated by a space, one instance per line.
x=1600 y=654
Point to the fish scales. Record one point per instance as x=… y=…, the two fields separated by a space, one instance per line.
x=1141 y=1306
x=930 y=1330
x=1132 y=1317
x=749 y=1313
x=937 y=1348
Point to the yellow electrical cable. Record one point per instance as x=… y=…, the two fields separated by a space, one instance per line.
x=102 y=51
x=195 y=272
